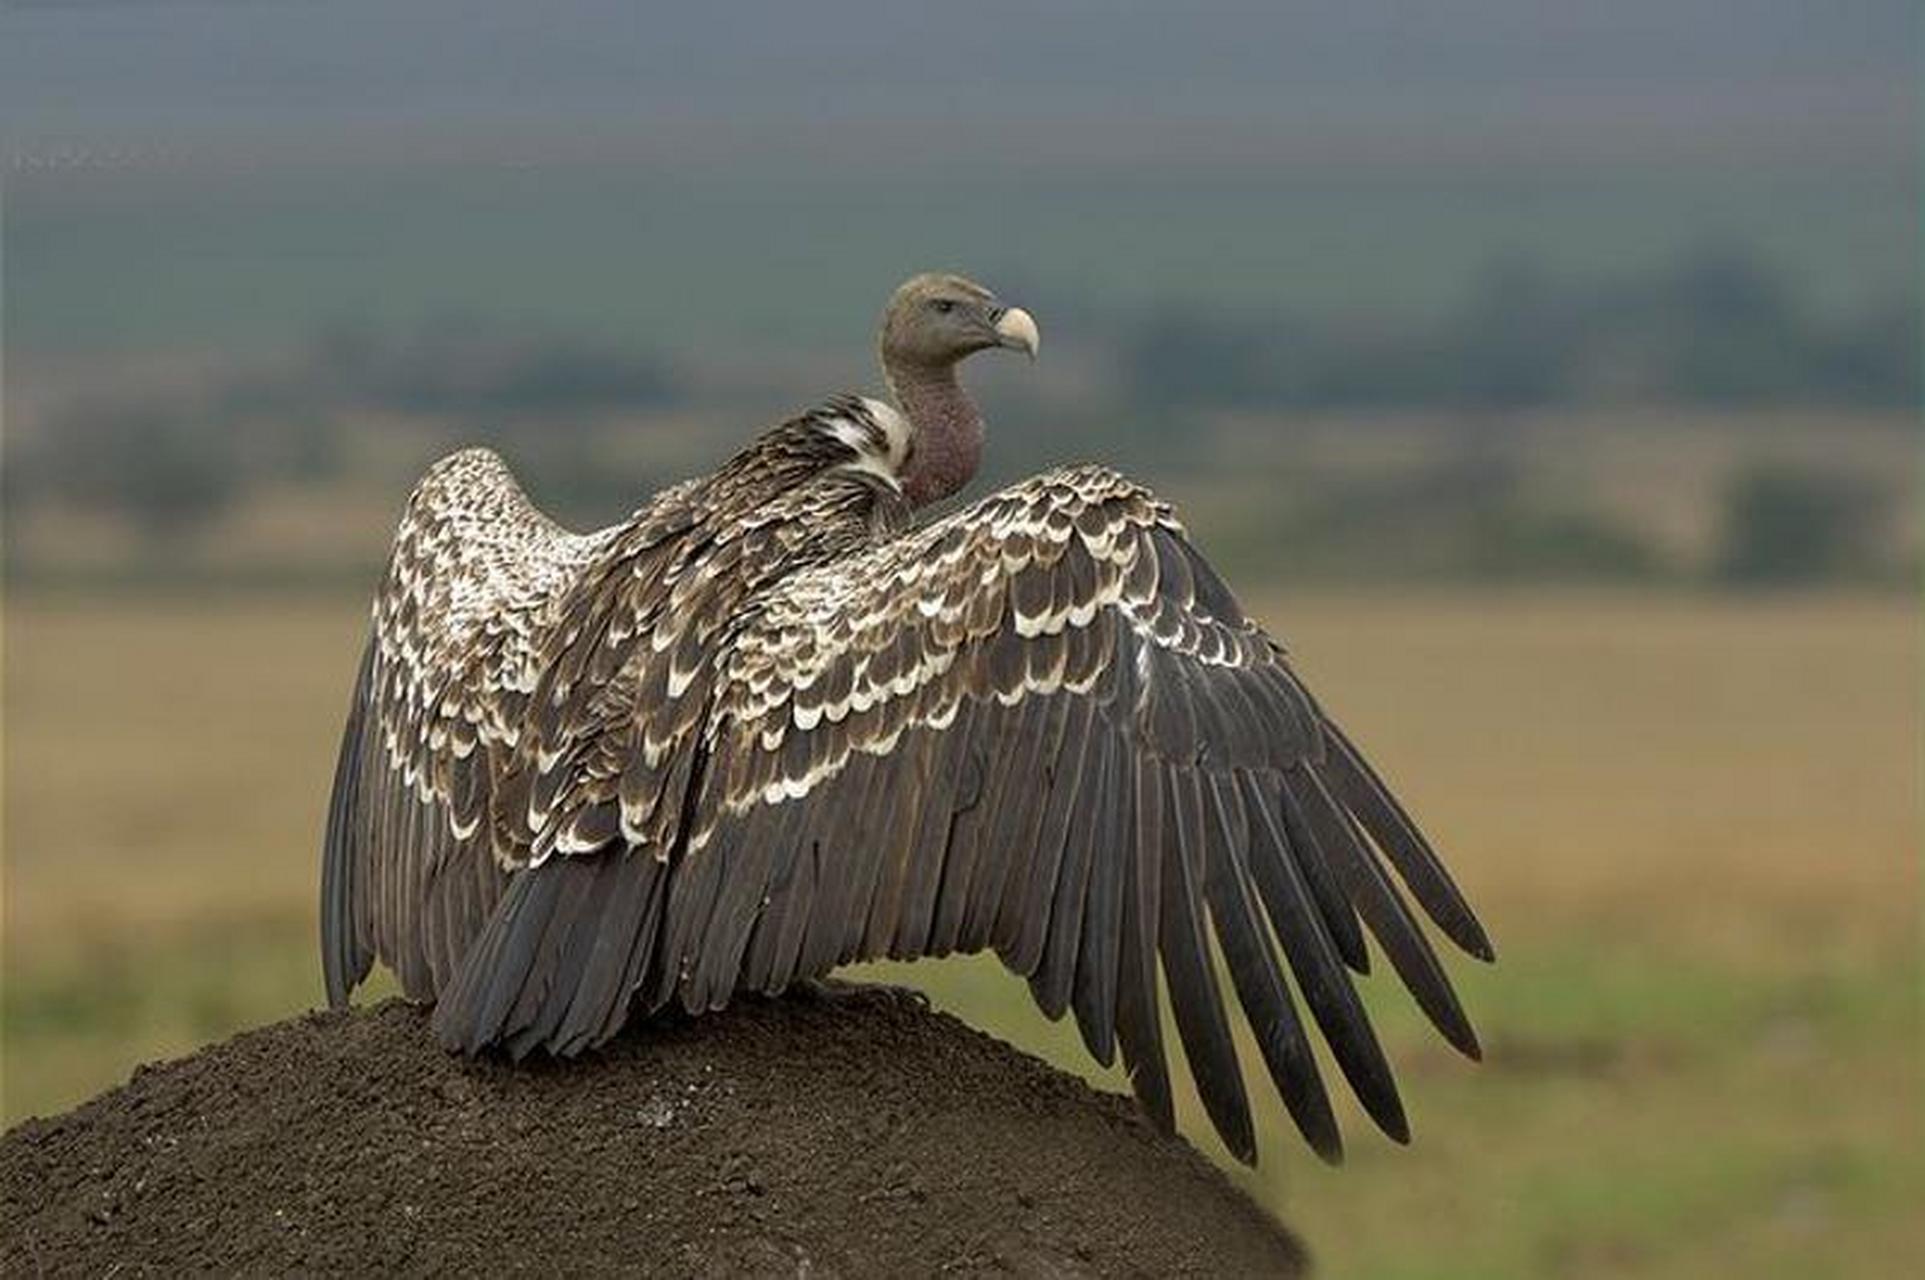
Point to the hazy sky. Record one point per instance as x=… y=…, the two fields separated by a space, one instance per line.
x=1766 y=80
x=1364 y=157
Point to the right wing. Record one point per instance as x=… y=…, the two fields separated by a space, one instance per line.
x=1043 y=726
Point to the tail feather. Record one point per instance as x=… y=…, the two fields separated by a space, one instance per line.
x=559 y=960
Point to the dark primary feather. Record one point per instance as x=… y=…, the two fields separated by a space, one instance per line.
x=1251 y=959
x=1093 y=993
x=345 y=953
x=1139 y=1020
x=1300 y=927
x=1378 y=902
x=1186 y=959
x=761 y=730
x=1370 y=801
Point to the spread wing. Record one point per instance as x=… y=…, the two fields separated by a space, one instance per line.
x=410 y=863
x=1044 y=726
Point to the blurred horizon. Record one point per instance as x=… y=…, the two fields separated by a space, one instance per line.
x=997 y=138
x=256 y=264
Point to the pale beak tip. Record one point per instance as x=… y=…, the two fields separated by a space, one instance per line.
x=1017 y=331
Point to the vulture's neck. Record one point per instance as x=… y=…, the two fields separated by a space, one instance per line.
x=948 y=431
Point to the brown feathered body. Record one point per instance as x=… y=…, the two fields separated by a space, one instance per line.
x=768 y=725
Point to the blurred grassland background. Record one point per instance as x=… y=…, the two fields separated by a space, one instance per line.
x=1546 y=376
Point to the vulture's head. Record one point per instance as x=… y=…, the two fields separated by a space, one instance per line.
x=936 y=319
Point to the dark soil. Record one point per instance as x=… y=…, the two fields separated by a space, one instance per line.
x=855 y=1136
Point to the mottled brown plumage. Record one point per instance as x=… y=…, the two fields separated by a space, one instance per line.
x=767 y=726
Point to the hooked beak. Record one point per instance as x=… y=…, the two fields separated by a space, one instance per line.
x=1016 y=330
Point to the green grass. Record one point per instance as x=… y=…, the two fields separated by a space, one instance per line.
x=1632 y=1106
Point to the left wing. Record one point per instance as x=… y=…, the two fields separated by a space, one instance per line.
x=1045 y=727
x=411 y=865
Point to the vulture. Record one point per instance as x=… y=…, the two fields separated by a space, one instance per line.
x=772 y=723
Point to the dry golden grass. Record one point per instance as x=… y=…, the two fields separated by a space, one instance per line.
x=1624 y=759
x=1692 y=826
x=167 y=760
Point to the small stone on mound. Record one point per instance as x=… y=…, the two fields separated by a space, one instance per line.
x=856 y=1136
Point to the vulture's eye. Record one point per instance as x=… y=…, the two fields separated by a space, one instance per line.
x=944 y=305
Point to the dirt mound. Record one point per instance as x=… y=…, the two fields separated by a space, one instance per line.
x=860 y=1135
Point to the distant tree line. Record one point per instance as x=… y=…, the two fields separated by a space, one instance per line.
x=1474 y=516
x=171 y=463
x=1715 y=327
x=461 y=365
x=1792 y=526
